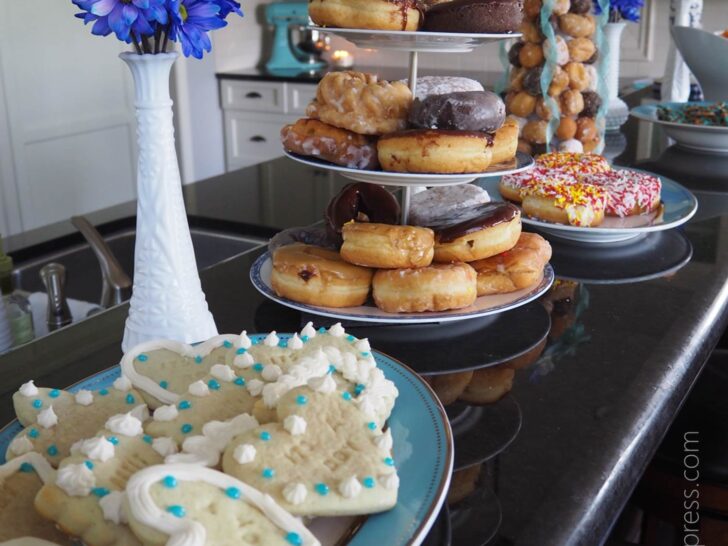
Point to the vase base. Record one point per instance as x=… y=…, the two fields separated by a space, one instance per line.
x=617 y=114
x=202 y=330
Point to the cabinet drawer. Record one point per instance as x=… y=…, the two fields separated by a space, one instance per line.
x=253 y=96
x=299 y=96
x=249 y=141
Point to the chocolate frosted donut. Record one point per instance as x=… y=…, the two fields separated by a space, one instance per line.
x=463 y=111
x=449 y=227
x=361 y=202
x=475 y=16
x=592 y=103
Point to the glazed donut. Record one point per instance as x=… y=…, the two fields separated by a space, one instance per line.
x=488 y=385
x=581 y=49
x=513 y=53
x=475 y=16
x=367 y=14
x=573 y=163
x=578 y=76
x=571 y=102
x=477 y=233
x=577 y=26
x=542 y=109
x=531 y=55
x=521 y=104
x=571 y=145
x=516 y=79
x=517 y=268
x=505 y=142
x=532 y=81
x=535 y=131
x=428 y=205
x=513 y=186
x=362 y=202
x=586 y=130
x=449 y=386
x=460 y=111
x=628 y=192
x=361 y=103
x=431 y=151
x=532 y=8
x=576 y=204
x=314 y=138
x=531 y=32
x=559 y=82
x=438 y=287
x=562 y=50
x=443 y=85
x=318 y=276
x=566 y=129
x=387 y=246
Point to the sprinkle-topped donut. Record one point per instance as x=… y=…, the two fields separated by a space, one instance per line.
x=573 y=163
x=512 y=186
x=578 y=204
x=629 y=192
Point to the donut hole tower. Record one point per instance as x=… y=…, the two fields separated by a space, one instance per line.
x=556 y=83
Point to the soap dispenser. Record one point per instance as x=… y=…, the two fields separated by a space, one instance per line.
x=17 y=306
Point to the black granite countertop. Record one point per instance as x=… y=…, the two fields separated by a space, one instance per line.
x=562 y=452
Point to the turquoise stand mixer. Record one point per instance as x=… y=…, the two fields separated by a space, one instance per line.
x=293 y=54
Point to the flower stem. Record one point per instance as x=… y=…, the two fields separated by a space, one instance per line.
x=146 y=45
x=136 y=46
x=166 y=37
x=157 y=38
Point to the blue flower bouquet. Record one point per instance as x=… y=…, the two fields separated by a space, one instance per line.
x=150 y=24
x=621 y=10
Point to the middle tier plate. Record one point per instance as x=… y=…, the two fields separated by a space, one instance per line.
x=260 y=275
x=387 y=178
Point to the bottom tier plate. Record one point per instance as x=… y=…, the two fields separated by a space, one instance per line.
x=260 y=274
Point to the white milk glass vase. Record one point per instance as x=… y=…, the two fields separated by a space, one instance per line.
x=617 y=110
x=167 y=300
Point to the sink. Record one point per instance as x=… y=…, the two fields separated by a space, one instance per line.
x=83 y=275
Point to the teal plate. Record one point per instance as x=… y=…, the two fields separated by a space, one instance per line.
x=423 y=453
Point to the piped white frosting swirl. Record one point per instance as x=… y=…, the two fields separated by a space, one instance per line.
x=28 y=389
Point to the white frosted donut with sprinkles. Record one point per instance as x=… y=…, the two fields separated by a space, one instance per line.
x=628 y=192
x=513 y=186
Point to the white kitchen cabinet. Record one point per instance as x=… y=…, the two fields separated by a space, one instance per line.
x=254 y=112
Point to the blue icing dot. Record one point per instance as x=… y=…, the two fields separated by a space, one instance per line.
x=186 y=428
x=368 y=482
x=332 y=368
x=164 y=384
x=371 y=425
x=365 y=354
x=170 y=482
x=233 y=492
x=184 y=404
x=142 y=357
x=37 y=404
x=26 y=467
x=198 y=359
x=359 y=389
x=148 y=439
x=214 y=385
x=241 y=351
x=301 y=400
x=294 y=539
x=239 y=381
x=176 y=510
x=227 y=344
x=265 y=435
x=350 y=338
x=130 y=399
x=254 y=341
x=346 y=395
x=283 y=343
x=55 y=393
x=268 y=473
x=258 y=367
x=304 y=338
x=100 y=491
x=33 y=433
x=52 y=450
x=389 y=461
x=113 y=440
x=89 y=465
x=322 y=330
x=104 y=392
x=322 y=489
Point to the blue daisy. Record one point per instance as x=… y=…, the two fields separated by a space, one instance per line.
x=125 y=18
x=190 y=22
x=228 y=6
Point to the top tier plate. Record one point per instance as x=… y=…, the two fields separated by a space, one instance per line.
x=400 y=40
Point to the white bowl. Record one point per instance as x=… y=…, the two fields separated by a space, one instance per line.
x=706 y=55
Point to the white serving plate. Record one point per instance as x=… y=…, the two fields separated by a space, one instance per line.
x=702 y=138
x=678 y=206
x=385 y=178
x=260 y=274
x=400 y=40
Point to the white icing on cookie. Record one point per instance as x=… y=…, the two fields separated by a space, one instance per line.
x=244 y=453
x=295 y=493
x=243 y=341
x=244 y=360
x=166 y=413
x=125 y=424
x=384 y=441
x=295 y=425
x=98 y=449
x=389 y=481
x=141 y=412
x=309 y=331
x=255 y=387
x=271 y=340
x=76 y=480
x=42 y=467
x=47 y=418
x=337 y=330
x=350 y=488
x=271 y=372
x=199 y=388
x=112 y=505
x=164 y=446
x=122 y=384
x=183 y=531
x=223 y=372
x=295 y=343
x=362 y=345
x=20 y=445
x=324 y=384
x=84 y=397
x=28 y=389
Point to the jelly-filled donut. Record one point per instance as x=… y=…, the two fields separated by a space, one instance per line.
x=361 y=202
x=477 y=233
x=318 y=276
x=366 y=14
x=438 y=287
x=628 y=192
x=387 y=246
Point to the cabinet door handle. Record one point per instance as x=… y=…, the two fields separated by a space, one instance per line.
x=257 y=138
x=253 y=95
